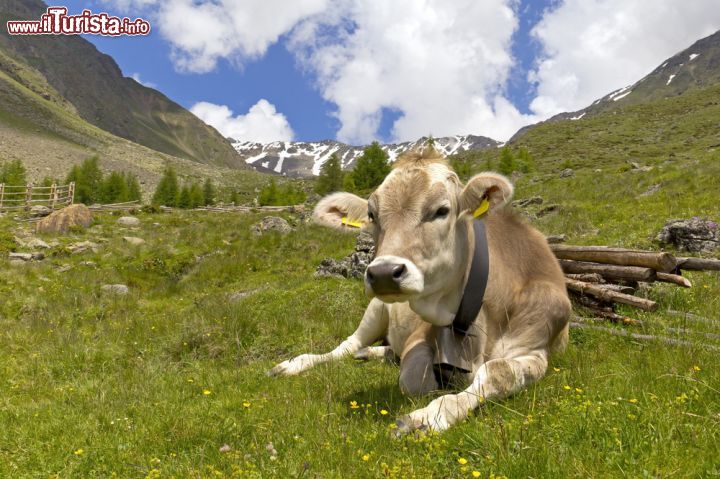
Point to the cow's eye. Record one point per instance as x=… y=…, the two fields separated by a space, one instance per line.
x=371 y=216
x=441 y=212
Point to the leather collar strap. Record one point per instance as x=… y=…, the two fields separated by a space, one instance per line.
x=474 y=292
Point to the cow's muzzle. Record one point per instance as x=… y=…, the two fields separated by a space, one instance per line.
x=392 y=276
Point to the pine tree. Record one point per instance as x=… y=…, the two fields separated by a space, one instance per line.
x=525 y=161
x=184 y=200
x=371 y=168
x=269 y=194
x=133 y=187
x=197 y=198
x=13 y=173
x=167 y=193
x=88 y=181
x=114 y=188
x=507 y=161
x=208 y=193
x=462 y=166
x=331 y=176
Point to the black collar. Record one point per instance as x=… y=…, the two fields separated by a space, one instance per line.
x=474 y=292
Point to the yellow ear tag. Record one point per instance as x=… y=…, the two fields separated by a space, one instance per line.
x=482 y=209
x=354 y=224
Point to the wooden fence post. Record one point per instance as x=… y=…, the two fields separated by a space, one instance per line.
x=72 y=192
x=28 y=196
x=2 y=194
x=53 y=195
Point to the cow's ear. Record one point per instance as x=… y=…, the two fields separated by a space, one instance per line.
x=342 y=210
x=494 y=188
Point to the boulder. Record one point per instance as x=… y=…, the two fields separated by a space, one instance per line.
x=353 y=265
x=60 y=221
x=133 y=240
x=556 y=239
x=39 y=211
x=271 y=223
x=82 y=247
x=567 y=173
x=694 y=234
x=119 y=289
x=128 y=221
x=533 y=200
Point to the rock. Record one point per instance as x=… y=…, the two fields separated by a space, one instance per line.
x=651 y=191
x=89 y=264
x=238 y=295
x=64 y=268
x=555 y=239
x=128 y=221
x=695 y=235
x=36 y=243
x=271 y=223
x=83 y=246
x=60 y=221
x=119 y=289
x=39 y=211
x=534 y=200
x=547 y=210
x=225 y=448
x=133 y=240
x=20 y=256
x=353 y=265
x=566 y=173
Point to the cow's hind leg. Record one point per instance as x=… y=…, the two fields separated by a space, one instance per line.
x=496 y=379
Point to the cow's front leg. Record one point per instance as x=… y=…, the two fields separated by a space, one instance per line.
x=496 y=379
x=372 y=327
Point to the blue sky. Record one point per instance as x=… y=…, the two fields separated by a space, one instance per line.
x=361 y=70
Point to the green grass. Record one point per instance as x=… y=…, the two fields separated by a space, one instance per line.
x=95 y=385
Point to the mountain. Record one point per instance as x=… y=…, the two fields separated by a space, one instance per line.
x=695 y=67
x=70 y=72
x=305 y=159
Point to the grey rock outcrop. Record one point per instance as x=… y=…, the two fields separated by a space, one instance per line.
x=694 y=235
x=353 y=265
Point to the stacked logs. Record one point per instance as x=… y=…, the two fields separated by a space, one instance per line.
x=599 y=277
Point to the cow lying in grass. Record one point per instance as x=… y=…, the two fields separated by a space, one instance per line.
x=422 y=220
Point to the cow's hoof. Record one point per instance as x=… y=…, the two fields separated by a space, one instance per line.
x=363 y=354
x=405 y=426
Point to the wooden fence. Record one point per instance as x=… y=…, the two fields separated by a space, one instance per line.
x=14 y=198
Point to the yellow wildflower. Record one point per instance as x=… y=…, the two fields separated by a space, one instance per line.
x=366 y=457
x=476 y=474
x=383 y=412
x=696 y=368
x=462 y=461
x=354 y=405
x=246 y=404
x=79 y=452
x=567 y=388
x=633 y=401
x=207 y=392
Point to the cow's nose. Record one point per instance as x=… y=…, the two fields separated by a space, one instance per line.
x=385 y=278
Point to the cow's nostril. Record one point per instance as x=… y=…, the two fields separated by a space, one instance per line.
x=370 y=276
x=398 y=271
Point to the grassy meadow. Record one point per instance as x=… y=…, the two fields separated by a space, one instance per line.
x=169 y=380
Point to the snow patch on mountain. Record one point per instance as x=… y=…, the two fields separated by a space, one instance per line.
x=306 y=158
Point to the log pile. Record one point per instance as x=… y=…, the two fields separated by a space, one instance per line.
x=598 y=277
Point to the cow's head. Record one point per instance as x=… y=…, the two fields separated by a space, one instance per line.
x=420 y=217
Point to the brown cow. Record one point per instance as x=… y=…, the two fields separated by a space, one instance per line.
x=421 y=217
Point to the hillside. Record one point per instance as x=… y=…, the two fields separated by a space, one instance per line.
x=90 y=84
x=305 y=159
x=40 y=128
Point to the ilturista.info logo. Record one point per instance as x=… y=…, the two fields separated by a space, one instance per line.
x=56 y=21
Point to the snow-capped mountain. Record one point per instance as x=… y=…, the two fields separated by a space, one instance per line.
x=293 y=158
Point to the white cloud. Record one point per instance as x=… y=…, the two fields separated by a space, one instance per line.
x=201 y=33
x=593 y=47
x=262 y=123
x=136 y=76
x=442 y=65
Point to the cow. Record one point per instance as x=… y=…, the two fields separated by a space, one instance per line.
x=422 y=219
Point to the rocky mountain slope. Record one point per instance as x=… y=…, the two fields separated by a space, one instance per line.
x=696 y=67
x=71 y=73
x=306 y=159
